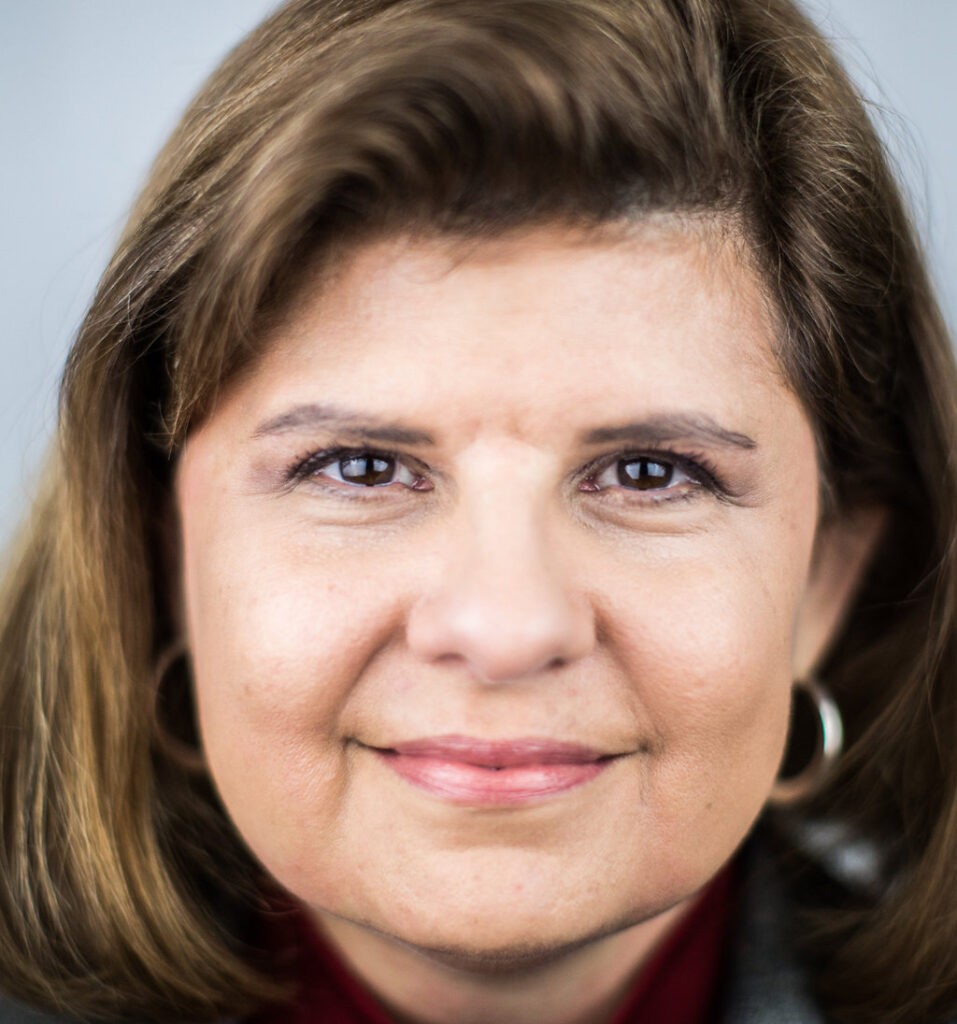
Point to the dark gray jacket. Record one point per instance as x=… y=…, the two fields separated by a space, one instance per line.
x=765 y=987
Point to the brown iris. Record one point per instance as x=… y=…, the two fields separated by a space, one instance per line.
x=644 y=474
x=367 y=470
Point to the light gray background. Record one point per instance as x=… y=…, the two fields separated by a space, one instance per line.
x=90 y=88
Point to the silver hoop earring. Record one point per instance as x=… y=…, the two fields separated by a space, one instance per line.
x=171 y=698
x=830 y=743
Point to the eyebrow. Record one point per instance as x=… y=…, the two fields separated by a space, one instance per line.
x=698 y=428
x=361 y=426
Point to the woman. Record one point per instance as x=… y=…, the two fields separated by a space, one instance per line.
x=494 y=414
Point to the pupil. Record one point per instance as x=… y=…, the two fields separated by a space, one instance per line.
x=644 y=474
x=367 y=470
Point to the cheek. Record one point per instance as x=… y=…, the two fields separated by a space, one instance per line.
x=270 y=621
x=279 y=633
x=705 y=644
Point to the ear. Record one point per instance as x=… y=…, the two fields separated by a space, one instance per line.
x=842 y=550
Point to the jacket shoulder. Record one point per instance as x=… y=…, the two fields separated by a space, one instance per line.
x=766 y=983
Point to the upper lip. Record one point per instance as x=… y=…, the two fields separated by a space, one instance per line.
x=499 y=753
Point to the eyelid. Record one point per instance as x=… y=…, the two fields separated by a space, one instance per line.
x=308 y=466
x=671 y=485
x=401 y=474
x=697 y=466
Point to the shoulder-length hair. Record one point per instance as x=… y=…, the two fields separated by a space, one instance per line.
x=122 y=885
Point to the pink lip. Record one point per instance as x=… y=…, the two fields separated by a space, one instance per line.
x=471 y=771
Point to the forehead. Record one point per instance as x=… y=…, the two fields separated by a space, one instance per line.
x=660 y=312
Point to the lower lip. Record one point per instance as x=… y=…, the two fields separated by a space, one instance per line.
x=472 y=784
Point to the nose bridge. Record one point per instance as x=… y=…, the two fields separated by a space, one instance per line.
x=506 y=604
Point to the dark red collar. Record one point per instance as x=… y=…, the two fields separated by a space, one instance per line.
x=681 y=983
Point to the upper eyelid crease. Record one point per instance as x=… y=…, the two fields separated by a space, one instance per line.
x=321 y=457
x=694 y=463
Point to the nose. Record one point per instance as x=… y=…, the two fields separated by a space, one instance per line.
x=504 y=607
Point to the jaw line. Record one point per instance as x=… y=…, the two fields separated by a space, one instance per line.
x=505 y=961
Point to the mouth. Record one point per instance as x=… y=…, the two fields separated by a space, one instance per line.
x=464 y=770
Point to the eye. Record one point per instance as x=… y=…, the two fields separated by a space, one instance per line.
x=366 y=470
x=360 y=469
x=642 y=473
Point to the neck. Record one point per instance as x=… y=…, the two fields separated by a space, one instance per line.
x=581 y=985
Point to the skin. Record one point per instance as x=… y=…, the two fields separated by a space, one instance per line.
x=504 y=585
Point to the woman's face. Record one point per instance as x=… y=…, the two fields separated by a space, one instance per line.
x=497 y=571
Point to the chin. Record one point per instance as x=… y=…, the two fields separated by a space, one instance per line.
x=503 y=939
x=504 y=958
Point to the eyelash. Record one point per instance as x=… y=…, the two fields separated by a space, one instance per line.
x=696 y=466
x=308 y=467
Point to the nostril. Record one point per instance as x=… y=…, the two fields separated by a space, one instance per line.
x=502 y=626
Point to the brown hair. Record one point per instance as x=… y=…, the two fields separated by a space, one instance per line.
x=123 y=884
